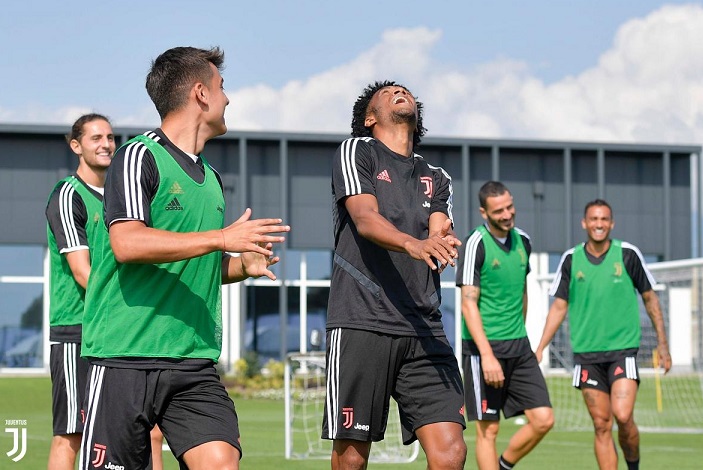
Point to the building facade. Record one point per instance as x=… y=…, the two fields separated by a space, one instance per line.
x=654 y=190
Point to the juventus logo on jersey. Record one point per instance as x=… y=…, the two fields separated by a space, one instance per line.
x=427 y=181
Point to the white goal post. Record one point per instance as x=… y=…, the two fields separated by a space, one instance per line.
x=304 y=381
x=665 y=403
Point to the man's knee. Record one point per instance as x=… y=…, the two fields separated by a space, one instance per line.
x=452 y=457
x=349 y=454
x=602 y=425
x=487 y=430
x=456 y=456
x=542 y=420
x=623 y=418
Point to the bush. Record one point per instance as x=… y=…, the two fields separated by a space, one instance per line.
x=251 y=380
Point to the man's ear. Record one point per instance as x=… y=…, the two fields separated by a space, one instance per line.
x=482 y=211
x=76 y=147
x=370 y=120
x=200 y=92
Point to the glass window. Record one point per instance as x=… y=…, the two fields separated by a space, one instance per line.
x=319 y=264
x=292 y=263
x=448 y=309
x=21 y=260
x=21 y=316
x=264 y=318
x=262 y=327
x=553 y=259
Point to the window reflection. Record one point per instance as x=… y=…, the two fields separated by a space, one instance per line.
x=21 y=325
x=21 y=260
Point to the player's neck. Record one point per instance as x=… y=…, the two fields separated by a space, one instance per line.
x=398 y=138
x=596 y=248
x=92 y=176
x=186 y=133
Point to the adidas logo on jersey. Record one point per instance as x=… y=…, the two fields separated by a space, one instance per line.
x=384 y=176
x=175 y=188
x=174 y=205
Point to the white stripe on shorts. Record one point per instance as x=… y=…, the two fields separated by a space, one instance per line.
x=70 y=380
x=94 y=388
x=577 y=375
x=630 y=368
x=333 y=383
x=476 y=376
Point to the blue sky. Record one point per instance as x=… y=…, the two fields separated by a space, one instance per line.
x=569 y=70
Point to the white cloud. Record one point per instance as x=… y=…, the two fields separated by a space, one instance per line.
x=324 y=101
x=645 y=88
x=35 y=113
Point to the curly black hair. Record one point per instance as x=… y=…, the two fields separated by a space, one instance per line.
x=361 y=107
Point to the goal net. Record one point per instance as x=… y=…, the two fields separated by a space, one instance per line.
x=665 y=403
x=304 y=408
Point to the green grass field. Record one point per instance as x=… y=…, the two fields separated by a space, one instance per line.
x=261 y=422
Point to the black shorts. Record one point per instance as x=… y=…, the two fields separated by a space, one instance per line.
x=602 y=375
x=364 y=369
x=190 y=406
x=524 y=388
x=69 y=373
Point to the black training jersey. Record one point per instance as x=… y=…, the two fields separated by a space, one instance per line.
x=373 y=288
x=632 y=259
x=134 y=180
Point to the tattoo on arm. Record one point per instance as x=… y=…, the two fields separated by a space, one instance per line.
x=471 y=293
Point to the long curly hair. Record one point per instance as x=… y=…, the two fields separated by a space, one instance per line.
x=362 y=105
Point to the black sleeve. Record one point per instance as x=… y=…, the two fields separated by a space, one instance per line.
x=130 y=185
x=471 y=257
x=353 y=168
x=637 y=268
x=442 y=195
x=67 y=217
x=560 y=285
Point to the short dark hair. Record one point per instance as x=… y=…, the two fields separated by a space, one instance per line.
x=77 y=129
x=491 y=189
x=361 y=108
x=174 y=72
x=597 y=202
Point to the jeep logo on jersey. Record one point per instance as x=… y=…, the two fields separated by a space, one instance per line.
x=427 y=181
x=348 y=417
x=99 y=450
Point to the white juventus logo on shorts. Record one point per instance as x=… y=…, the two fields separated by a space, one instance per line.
x=19 y=440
